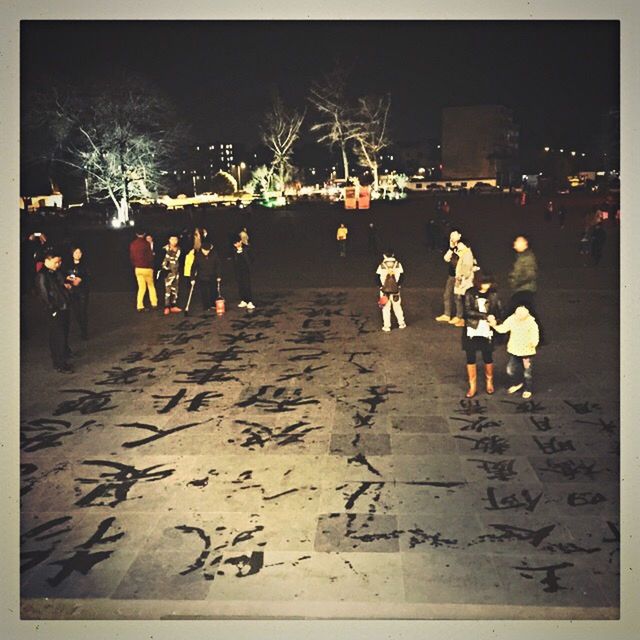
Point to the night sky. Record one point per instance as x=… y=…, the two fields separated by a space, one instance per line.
x=559 y=77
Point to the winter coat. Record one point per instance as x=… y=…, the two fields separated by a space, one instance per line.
x=51 y=289
x=464 y=270
x=523 y=276
x=242 y=264
x=171 y=260
x=524 y=335
x=80 y=270
x=472 y=313
x=141 y=254
x=206 y=267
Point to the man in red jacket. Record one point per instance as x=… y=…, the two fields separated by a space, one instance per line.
x=141 y=256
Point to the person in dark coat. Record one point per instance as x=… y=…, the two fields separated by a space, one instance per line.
x=54 y=294
x=481 y=303
x=242 y=267
x=78 y=277
x=206 y=272
x=523 y=280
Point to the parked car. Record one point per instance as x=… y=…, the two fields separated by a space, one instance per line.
x=484 y=187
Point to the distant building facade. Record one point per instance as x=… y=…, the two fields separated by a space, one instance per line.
x=480 y=142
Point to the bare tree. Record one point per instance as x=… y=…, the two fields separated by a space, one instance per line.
x=118 y=138
x=337 y=125
x=371 y=132
x=260 y=181
x=280 y=130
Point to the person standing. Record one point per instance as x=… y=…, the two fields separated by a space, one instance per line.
x=390 y=273
x=141 y=256
x=78 y=278
x=242 y=268
x=451 y=257
x=244 y=236
x=465 y=270
x=523 y=281
x=341 y=239
x=206 y=272
x=54 y=294
x=524 y=337
x=481 y=304
x=171 y=268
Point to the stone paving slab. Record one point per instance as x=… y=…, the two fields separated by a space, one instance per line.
x=207 y=466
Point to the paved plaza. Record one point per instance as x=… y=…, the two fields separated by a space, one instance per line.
x=297 y=462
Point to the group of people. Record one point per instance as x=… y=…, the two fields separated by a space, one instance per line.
x=63 y=287
x=470 y=298
x=478 y=310
x=200 y=266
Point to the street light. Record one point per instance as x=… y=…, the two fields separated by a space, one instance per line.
x=546 y=148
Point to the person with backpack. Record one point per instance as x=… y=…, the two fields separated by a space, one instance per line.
x=389 y=273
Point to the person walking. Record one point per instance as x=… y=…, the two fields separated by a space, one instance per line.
x=54 y=294
x=141 y=256
x=341 y=239
x=171 y=268
x=481 y=303
x=390 y=273
x=206 y=273
x=79 y=279
x=242 y=268
x=524 y=337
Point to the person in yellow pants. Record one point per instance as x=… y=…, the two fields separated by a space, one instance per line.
x=141 y=256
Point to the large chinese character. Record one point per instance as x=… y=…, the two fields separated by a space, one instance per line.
x=551 y=580
x=199 y=400
x=487 y=444
x=553 y=445
x=157 y=432
x=478 y=424
x=277 y=399
x=471 y=407
x=83 y=560
x=90 y=402
x=49 y=531
x=582 y=408
x=113 y=487
x=118 y=375
x=526 y=502
x=47 y=432
x=497 y=469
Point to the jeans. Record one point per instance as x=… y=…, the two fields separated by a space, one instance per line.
x=449 y=298
x=520 y=368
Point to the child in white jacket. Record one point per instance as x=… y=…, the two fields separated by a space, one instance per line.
x=523 y=340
